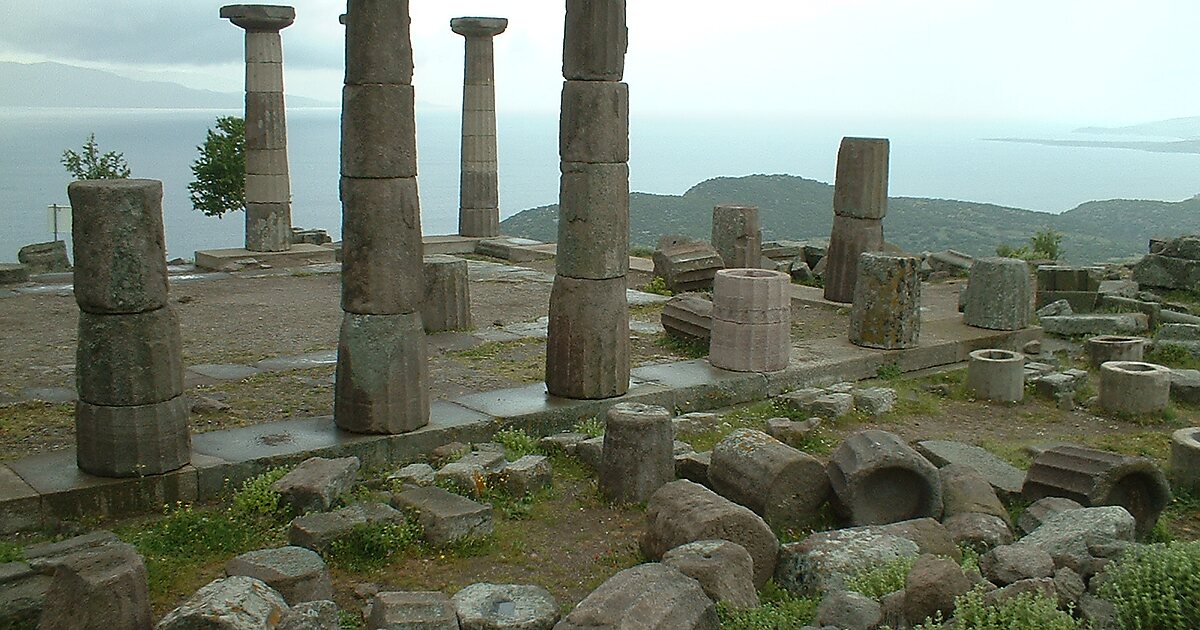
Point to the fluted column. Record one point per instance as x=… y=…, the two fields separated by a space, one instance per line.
x=587 y=351
x=859 y=205
x=479 y=197
x=382 y=371
x=268 y=189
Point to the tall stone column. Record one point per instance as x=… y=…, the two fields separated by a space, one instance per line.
x=479 y=196
x=859 y=205
x=587 y=351
x=268 y=189
x=132 y=417
x=382 y=371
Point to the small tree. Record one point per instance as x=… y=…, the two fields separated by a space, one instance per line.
x=91 y=164
x=1047 y=243
x=220 y=171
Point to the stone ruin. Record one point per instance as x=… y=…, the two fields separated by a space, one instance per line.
x=479 y=196
x=859 y=206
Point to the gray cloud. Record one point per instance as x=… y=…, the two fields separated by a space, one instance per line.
x=157 y=32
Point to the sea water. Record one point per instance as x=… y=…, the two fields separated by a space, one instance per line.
x=669 y=154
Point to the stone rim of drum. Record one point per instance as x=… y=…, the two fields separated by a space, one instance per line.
x=869 y=461
x=996 y=374
x=1104 y=348
x=886 y=309
x=1185 y=458
x=751 y=320
x=1093 y=478
x=1134 y=387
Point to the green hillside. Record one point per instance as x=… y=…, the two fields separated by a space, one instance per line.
x=795 y=208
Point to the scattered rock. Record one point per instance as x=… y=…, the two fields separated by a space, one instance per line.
x=1013 y=563
x=848 y=610
x=413 y=475
x=874 y=401
x=591 y=452
x=232 y=603
x=724 y=570
x=645 y=596
x=694 y=466
x=446 y=517
x=95 y=587
x=833 y=405
x=297 y=573
x=505 y=607
x=1069 y=537
x=318 y=615
x=979 y=532
x=1069 y=586
x=793 y=432
x=561 y=442
x=418 y=610
x=1056 y=308
x=964 y=490
x=1042 y=586
x=529 y=474
x=1042 y=509
x=931 y=587
x=317 y=530
x=822 y=562
x=316 y=483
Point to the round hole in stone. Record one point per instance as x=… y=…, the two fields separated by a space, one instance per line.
x=1138 y=493
x=995 y=354
x=750 y=273
x=1133 y=366
x=890 y=495
x=1115 y=339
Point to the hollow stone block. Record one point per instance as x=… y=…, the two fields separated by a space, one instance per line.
x=779 y=483
x=381 y=251
x=120 y=254
x=742 y=347
x=382 y=376
x=1185 y=459
x=849 y=238
x=593 y=224
x=752 y=296
x=995 y=374
x=379 y=135
x=878 y=479
x=638 y=452
x=736 y=235
x=1095 y=478
x=374 y=51
x=595 y=40
x=132 y=441
x=125 y=360
x=1133 y=387
x=887 y=302
x=999 y=294
x=587 y=349
x=1104 y=348
x=594 y=122
x=447 y=304
x=861 y=187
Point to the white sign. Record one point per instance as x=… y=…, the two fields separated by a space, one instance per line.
x=58 y=219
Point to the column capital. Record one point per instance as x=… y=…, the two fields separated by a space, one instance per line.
x=478 y=26
x=259 y=17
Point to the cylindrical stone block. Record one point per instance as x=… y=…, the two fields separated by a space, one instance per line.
x=860 y=189
x=878 y=479
x=751 y=321
x=381 y=248
x=594 y=122
x=736 y=235
x=126 y=360
x=268 y=227
x=1093 y=478
x=638 y=452
x=479 y=222
x=447 y=304
x=266 y=121
x=849 y=238
x=382 y=380
x=595 y=40
x=379 y=132
x=132 y=441
x=999 y=294
x=120 y=255
x=1134 y=387
x=479 y=204
x=374 y=53
x=593 y=223
x=887 y=302
x=587 y=348
x=1185 y=460
x=1105 y=348
x=781 y=484
x=995 y=374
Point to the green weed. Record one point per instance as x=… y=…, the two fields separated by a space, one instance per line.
x=685 y=347
x=877 y=581
x=516 y=442
x=778 y=611
x=372 y=546
x=1156 y=587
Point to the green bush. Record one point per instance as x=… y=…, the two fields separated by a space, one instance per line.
x=658 y=285
x=256 y=499
x=779 y=611
x=516 y=442
x=1027 y=611
x=1156 y=587
x=875 y=582
x=220 y=171
x=592 y=427
x=368 y=547
x=91 y=164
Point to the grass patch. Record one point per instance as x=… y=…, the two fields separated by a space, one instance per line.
x=26 y=426
x=11 y=552
x=1156 y=587
x=779 y=611
x=1172 y=356
x=658 y=286
x=1153 y=444
x=516 y=442
x=689 y=348
x=1027 y=611
x=755 y=416
x=877 y=581
x=373 y=546
x=520 y=360
x=591 y=427
x=292 y=393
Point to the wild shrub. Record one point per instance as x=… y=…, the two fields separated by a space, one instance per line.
x=1156 y=587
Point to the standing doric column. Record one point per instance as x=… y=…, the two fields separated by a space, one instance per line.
x=587 y=351
x=268 y=189
x=859 y=205
x=132 y=416
x=382 y=372
x=478 y=193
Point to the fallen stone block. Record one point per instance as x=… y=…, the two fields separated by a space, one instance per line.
x=724 y=570
x=685 y=264
x=463 y=477
x=1057 y=307
x=688 y=315
x=785 y=486
x=1073 y=538
x=95 y=588
x=297 y=573
x=529 y=474
x=413 y=475
x=318 y=615
x=446 y=517
x=1012 y=563
x=1095 y=324
x=318 y=530
x=505 y=607
x=316 y=483
x=645 y=596
x=874 y=401
x=847 y=609
x=561 y=442
x=693 y=466
x=978 y=532
x=931 y=587
x=419 y=610
x=238 y=602
x=965 y=490
x=878 y=479
x=1041 y=510
x=793 y=432
x=824 y=561
x=637 y=457
x=682 y=512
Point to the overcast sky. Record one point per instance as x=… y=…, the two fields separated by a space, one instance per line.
x=1080 y=61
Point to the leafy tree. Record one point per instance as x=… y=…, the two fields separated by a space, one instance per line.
x=220 y=171
x=1048 y=243
x=91 y=164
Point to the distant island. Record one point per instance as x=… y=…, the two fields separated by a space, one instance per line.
x=59 y=85
x=796 y=208
x=1184 y=132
